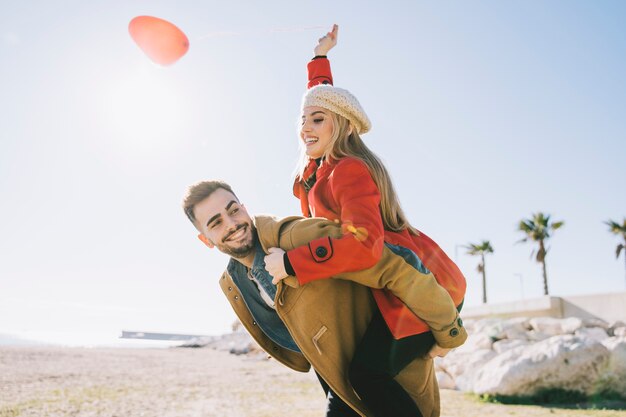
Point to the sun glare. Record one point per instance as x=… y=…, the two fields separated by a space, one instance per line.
x=144 y=109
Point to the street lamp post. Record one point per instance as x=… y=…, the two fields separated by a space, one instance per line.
x=456 y=253
x=521 y=282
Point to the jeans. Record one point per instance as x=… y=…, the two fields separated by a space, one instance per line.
x=377 y=360
x=335 y=407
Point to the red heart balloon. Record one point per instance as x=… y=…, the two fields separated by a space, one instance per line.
x=161 y=40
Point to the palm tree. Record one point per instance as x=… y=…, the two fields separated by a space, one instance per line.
x=538 y=229
x=618 y=229
x=481 y=249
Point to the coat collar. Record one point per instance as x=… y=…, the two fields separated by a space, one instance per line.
x=310 y=170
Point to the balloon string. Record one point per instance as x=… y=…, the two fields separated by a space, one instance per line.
x=259 y=32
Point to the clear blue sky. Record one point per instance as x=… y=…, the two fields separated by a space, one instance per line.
x=483 y=111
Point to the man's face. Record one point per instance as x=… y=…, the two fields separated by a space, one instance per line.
x=225 y=223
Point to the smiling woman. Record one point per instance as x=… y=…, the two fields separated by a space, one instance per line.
x=143 y=109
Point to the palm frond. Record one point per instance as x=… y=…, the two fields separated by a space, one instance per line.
x=538 y=227
x=479 y=248
x=526 y=226
x=616 y=228
x=557 y=225
x=545 y=218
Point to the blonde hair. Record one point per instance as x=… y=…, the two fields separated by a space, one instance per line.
x=346 y=142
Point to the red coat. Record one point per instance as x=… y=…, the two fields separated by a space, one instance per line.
x=345 y=192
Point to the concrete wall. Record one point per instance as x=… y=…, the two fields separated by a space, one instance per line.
x=535 y=307
x=608 y=307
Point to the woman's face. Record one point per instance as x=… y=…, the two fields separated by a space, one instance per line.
x=316 y=131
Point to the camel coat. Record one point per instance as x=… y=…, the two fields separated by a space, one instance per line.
x=327 y=318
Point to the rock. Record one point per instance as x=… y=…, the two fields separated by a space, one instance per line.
x=457 y=364
x=198 y=342
x=469 y=324
x=596 y=323
x=437 y=361
x=237 y=343
x=515 y=333
x=554 y=327
x=611 y=342
x=507 y=344
x=613 y=326
x=239 y=350
x=236 y=326
x=521 y=356
x=546 y=325
x=536 y=336
x=465 y=382
x=595 y=333
x=566 y=362
x=474 y=342
x=570 y=325
x=445 y=381
x=613 y=378
x=492 y=328
x=468 y=367
x=619 y=331
x=516 y=328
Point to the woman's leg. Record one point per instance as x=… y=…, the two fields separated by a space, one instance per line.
x=377 y=360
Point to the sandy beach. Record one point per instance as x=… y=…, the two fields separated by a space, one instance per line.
x=179 y=382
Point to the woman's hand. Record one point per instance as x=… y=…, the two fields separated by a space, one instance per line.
x=438 y=351
x=275 y=265
x=326 y=43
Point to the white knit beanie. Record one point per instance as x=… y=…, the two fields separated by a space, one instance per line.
x=339 y=101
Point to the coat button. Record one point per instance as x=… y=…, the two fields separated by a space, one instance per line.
x=236 y=297
x=230 y=288
x=454 y=332
x=460 y=322
x=321 y=251
x=254 y=323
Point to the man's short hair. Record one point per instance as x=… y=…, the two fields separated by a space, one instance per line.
x=198 y=192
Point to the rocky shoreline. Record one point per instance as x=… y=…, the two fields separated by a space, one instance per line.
x=522 y=357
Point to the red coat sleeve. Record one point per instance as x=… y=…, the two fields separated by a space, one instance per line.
x=318 y=71
x=355 y=193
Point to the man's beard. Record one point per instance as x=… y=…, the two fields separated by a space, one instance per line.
x=241 y=251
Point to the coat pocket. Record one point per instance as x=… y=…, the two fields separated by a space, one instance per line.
x=287 y=298
x=316 y=338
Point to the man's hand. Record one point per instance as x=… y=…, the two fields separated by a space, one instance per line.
x=275 y=265
x=326 y=43
x=438 y=351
